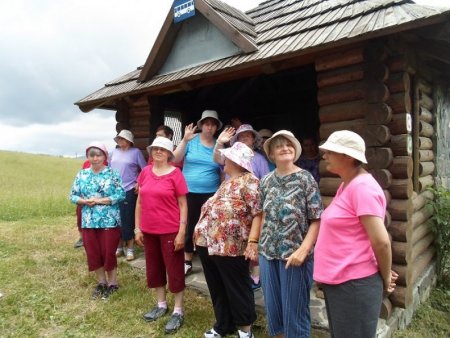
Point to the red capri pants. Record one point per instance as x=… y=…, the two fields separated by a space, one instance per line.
x=161 y=259
x=100 y=246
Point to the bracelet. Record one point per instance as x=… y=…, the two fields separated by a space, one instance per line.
x=252 y=241
x=137 y=231
x=182 y=222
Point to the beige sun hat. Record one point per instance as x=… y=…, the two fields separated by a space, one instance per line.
x=211 y=114
x=98 y=145
x=287 y=134
x=346 y=142
x=240 y=154
x=125 y=134
x=162 y=142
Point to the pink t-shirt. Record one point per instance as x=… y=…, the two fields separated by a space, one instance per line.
x=343 y=251
x=160 y=213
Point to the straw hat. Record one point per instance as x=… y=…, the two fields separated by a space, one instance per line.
x=346 y=142
x=211 y=114
x=125 y=134
x=287 y=134
x=98 y=145
x=240 y=154
x=162 y=142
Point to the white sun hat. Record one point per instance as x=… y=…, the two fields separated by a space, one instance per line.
x=346 y=142
x=162 y=142
x=211 y=114
x=125 y=134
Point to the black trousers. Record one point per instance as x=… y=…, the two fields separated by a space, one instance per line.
x=229 y=285
x=194 y=204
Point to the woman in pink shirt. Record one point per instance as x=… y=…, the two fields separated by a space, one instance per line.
x=352 y=257
x=161 y=214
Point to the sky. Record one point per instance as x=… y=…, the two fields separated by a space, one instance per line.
x=55 y=52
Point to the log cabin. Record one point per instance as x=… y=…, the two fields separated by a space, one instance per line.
x=379 y=68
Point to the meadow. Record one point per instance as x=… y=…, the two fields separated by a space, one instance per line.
x=46 y=285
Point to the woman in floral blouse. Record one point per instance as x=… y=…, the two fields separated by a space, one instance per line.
x=221 y=237
x=99 y=190
x=291 y=205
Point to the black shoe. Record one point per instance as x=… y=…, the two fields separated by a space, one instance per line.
x=155 y=313
x=174 y=323
x=78 y=244
x=99 y=290
x=109 y=291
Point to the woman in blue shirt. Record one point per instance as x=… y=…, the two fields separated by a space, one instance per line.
x=98 y=190
x=202 y=174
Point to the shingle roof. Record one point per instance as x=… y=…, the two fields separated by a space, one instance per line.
x=287 y=27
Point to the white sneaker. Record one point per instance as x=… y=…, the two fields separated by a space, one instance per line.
x=212 y=334
x=119 y=252
x=187 y=270
x=242 y=334
x=130 y=254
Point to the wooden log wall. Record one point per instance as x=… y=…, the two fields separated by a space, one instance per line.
x=382 y=106
x=134 y=115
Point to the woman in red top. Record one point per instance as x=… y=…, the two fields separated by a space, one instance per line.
x=161 y=213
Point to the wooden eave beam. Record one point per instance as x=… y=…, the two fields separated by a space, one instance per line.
x=226 y=28
x=161 y=48
x=438 y=51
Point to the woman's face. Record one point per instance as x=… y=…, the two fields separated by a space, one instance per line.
x=231 y=167
x=160 y=154
x=123 y=144
x=309 y=148
x=209 y=127
x=96 y=157
x=335 y=161
x=282 y=151
x=247 y=137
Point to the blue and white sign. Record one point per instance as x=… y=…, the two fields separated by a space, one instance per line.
x=183 y=9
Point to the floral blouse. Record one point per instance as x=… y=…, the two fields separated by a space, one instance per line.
x=226 y=218
x=106 y=183
x=289 y=202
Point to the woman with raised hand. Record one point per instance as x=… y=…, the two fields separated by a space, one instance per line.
x=221 y=237
x=98 y=189
x=128 y=161
x=201 y=172
x=161 y=214
x=352 y=258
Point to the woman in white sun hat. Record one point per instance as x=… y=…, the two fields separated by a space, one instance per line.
x=201 y=172
x=161 y=215
x=291 y=205
x=352 y=258
x=128 y=161
x=221 y=237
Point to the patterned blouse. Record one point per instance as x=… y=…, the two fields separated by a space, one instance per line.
x=106 y=183
x=226 y=218
x=289 y=203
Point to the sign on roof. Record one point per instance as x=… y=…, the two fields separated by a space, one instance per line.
x=183 y=9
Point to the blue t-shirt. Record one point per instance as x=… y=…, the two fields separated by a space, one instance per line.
x=202 y=174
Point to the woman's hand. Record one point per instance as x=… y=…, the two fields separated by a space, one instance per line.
x=251 y=251
x=139 y=239
x=226 y=135
x=297 y=258
x=179 y=241
x=90 y=202
x=189 y=132
x=389 y=285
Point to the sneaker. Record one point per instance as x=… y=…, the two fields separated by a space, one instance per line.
x=155 y=313
x=109 y=291
x=212 y=334
x=78 y=244
x=242 y=334
x=187 y=269
x=119 y=252
x=130 y=254
x=174 y=323
x=98 y=291
x=256 y=286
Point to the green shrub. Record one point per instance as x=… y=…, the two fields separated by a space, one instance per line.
x=440 y=226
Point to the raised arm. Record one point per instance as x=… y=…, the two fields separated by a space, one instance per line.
x=224 y=137
x=189 y=134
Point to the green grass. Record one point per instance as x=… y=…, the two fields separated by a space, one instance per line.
x=46 y=284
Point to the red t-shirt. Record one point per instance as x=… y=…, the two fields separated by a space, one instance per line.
x=160 y=213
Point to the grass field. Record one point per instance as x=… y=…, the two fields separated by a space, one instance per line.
x=45 y=281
